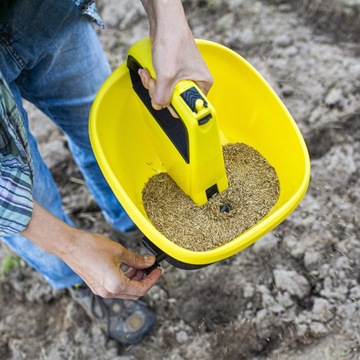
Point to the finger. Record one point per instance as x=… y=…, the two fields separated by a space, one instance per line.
x=152 y=89
x=172 y=111
x=161 y=93
x=133 y=288
x=150 y=84
x=135 y=274
x=130 y=273
x=137 y=261
x=139 y=275
x=157 y=106
x=139 y=287
x=204 y=86
x=145 y=77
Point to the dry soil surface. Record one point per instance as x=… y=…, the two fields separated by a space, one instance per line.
x=294 y=294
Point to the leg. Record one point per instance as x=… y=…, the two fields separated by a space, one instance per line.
x=63 y=86
x=45 y=192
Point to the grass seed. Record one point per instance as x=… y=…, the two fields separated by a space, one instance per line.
x=252 y=192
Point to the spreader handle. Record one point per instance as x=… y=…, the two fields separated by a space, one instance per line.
x=194 y=134
x=188 y=101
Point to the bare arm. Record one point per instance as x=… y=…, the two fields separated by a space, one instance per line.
x=94 y=257
x=174 y=52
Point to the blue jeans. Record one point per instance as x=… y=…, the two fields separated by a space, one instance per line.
x=50 y=55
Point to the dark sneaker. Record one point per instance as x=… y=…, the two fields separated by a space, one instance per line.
x=126 y=321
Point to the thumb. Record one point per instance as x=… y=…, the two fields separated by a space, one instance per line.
x=137 y=261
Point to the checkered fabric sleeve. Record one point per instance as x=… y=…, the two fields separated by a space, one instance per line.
x=16 y=169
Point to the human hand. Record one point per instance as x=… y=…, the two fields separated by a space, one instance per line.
x=99 y=261
x=171 y=68
x=94 y=257
x=175 y=55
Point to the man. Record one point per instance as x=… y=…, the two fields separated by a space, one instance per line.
x=50 y=55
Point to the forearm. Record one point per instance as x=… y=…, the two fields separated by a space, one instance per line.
x=50 y=233
x=94 y=257
x=165 y=15
x=175 y=55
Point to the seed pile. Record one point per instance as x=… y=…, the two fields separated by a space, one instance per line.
x=253 y=190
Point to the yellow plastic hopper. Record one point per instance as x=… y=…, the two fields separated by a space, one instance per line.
x=247 y=111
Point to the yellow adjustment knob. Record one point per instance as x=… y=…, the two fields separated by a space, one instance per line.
x=199 y=104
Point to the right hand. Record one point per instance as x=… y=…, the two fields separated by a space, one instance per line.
x=97 y=260
x=175 y=55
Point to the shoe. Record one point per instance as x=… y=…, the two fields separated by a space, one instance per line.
x=125 y=321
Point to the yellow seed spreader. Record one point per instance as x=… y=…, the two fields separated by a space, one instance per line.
x=132 y=142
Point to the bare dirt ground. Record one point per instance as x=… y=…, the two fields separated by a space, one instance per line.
x=294 y=294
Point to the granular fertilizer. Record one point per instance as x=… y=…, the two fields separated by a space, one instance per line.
x=252 y=192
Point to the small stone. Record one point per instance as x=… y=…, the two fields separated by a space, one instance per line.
x=182 y=337
x=249 y=291
x=277 y=308
x=335 y=98
x=266 y=243
x=355 y=293
x=247 y=37
x=291 y=51
x=311 y=259
x=292 y=282
x=285 y=299
x=285 y=8
x=317 y=329
x=287 y=91
x=322 y=310
x=301 y=329
x=284 y=41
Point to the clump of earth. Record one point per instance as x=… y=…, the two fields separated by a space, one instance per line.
x=295 y=293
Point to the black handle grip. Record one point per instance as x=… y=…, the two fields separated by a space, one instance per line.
x=173 y=127
x=160 y=255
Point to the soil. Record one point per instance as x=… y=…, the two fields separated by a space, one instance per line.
x=295 y=293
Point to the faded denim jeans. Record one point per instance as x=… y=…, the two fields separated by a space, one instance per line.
x=50 y=55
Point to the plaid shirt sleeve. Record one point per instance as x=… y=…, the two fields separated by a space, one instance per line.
x=88 y=8
x=16 y=169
